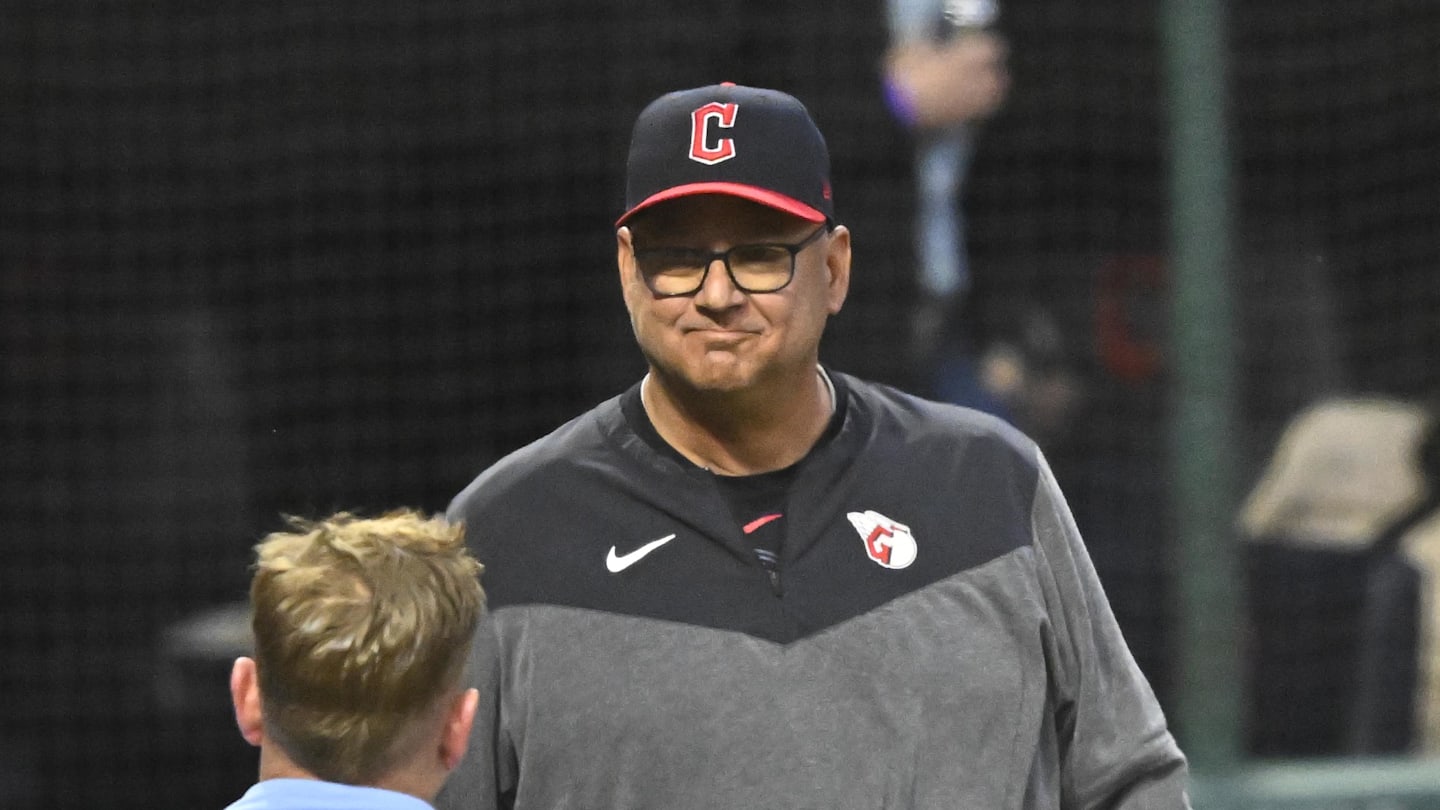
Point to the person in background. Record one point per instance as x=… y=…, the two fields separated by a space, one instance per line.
x=944 y=72
x=355 y=694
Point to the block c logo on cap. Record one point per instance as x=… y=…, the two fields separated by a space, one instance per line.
x=712 y=114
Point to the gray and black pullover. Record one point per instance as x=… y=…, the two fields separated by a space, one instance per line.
x=928 y=634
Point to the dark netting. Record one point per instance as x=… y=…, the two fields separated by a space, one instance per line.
x=271 y=257
x=1338 y=143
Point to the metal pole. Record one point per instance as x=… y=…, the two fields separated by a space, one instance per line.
x=1202 y=358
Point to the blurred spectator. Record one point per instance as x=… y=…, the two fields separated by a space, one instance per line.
x=944 y=72
x=1025 y=373
x=1329 y=600
x=1397 y=708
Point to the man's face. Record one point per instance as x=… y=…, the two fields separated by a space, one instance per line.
x=723 y=339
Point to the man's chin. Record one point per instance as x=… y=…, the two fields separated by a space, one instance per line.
x=713 y=370
x=715 y=378
x=725 y=383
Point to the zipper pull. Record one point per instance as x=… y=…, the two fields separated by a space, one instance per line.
x=771 y=563
x=774 y=572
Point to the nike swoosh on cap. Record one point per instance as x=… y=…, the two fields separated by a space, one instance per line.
x=615 y=563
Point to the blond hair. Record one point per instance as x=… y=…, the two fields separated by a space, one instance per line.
x=362 y=628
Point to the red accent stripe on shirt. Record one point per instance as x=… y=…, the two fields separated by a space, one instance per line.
x=761 y=521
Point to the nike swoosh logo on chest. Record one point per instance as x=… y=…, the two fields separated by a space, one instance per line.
x=615 y=563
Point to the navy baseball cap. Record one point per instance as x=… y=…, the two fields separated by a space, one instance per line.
x=748 y=142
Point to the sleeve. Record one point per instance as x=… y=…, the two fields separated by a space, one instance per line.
x=485 y=778
x=1115 y=750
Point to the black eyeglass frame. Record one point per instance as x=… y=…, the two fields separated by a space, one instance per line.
x=709 y=258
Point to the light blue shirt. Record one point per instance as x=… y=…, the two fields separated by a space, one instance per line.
x=312 y=794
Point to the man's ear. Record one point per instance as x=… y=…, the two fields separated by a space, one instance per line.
x=625 y=261
x=837 y=261
x=245 y=695
x=456 y=737
x=624 y=255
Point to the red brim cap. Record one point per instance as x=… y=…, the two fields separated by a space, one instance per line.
x=755 y=144
x=760 y=195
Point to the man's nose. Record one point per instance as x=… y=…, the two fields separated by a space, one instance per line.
x=718 y=290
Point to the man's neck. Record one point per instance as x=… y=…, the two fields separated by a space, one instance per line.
x=741 y=433
x=275 y=764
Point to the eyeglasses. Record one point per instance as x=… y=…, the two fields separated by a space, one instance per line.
x=758 y=268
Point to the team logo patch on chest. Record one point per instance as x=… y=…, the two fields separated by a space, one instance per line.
x=887 y=542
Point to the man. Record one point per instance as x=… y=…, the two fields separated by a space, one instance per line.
x=944 y=73
x=752 y=581
x=356 y=693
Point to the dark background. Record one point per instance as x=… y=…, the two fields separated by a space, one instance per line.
x=261 y=258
